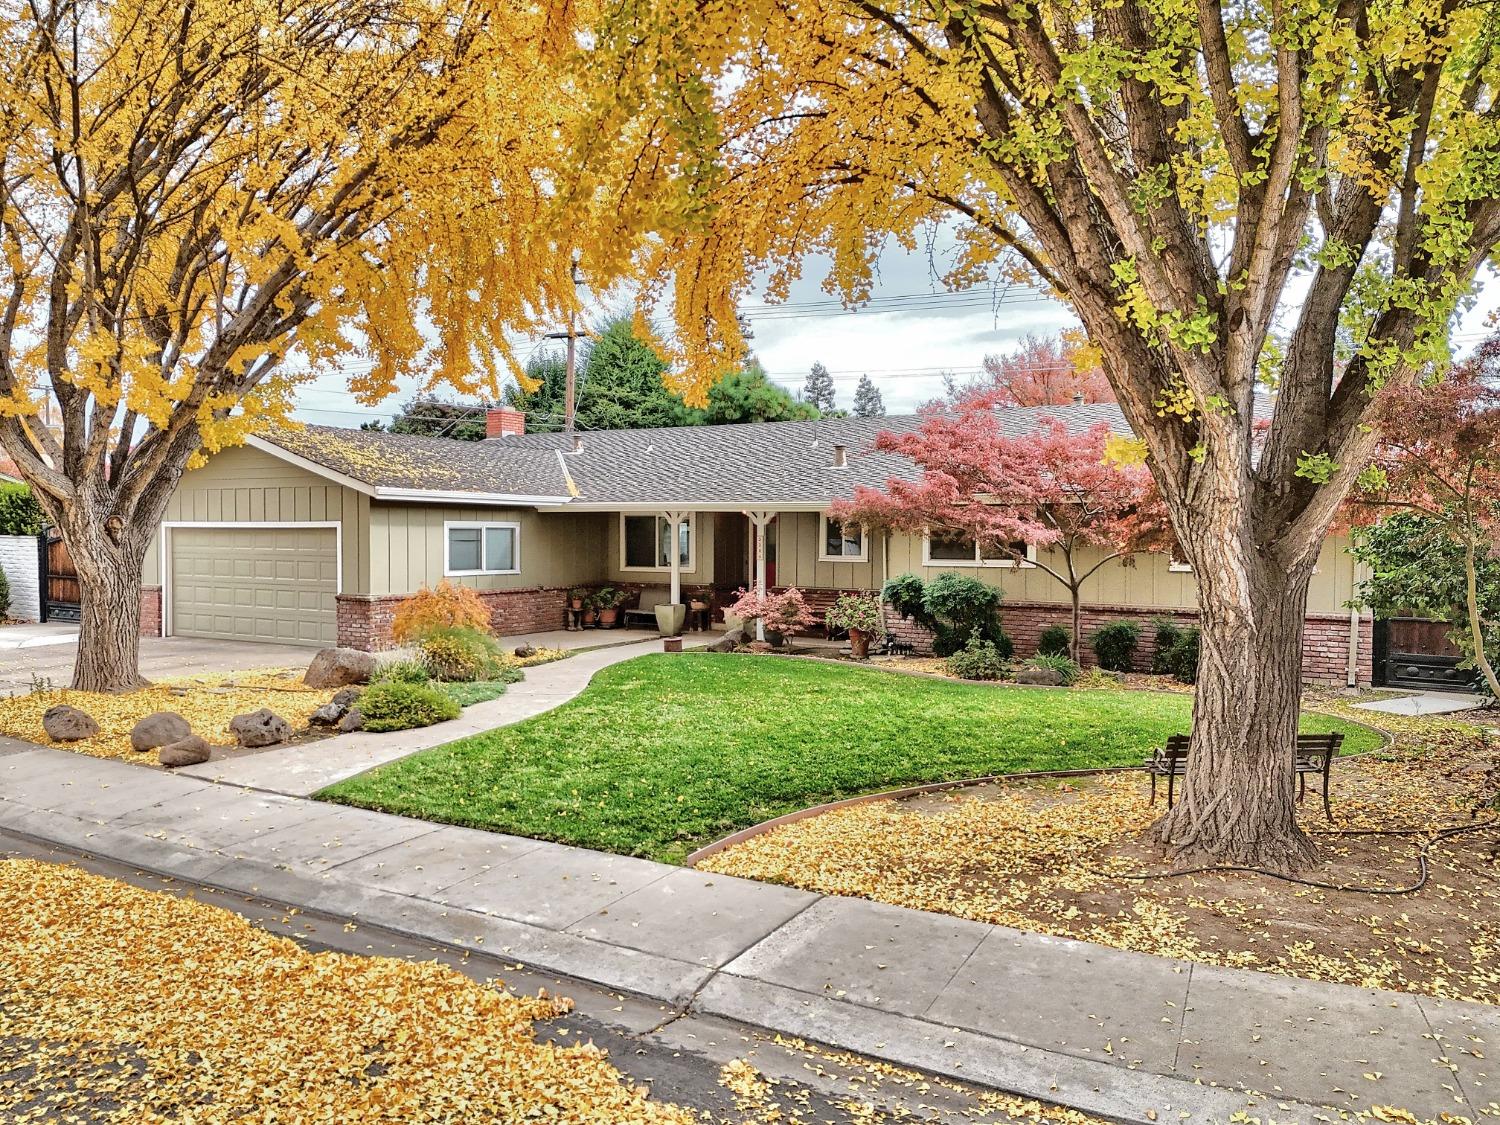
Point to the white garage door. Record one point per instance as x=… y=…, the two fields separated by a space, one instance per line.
x=273 y=584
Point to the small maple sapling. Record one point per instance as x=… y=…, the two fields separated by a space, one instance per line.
x=1053 y=489
x=1440 y=459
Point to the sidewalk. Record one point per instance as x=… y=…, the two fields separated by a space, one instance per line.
x=302 y=770
x=1118 y=1034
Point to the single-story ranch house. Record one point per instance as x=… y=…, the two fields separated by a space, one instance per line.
x=312 y=536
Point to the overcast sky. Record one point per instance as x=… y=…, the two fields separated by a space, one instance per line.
x=913 y=331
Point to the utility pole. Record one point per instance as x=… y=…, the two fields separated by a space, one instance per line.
x=570 y=393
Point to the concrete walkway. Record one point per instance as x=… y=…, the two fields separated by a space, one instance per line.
x=1426 y=703
x=301 y=770
x=1123 y=1035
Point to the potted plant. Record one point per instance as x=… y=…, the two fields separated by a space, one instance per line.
x=576 y=597
x=861 y=616
x=607 y=605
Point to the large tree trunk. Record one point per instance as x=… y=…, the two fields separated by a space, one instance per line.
x=109 y=556
x=1238 y=804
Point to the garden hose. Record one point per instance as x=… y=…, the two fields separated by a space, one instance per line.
x=1422 y=865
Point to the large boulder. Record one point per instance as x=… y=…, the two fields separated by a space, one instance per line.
x=189 y=751
x=731 y=640
x=335 y=667
x=260 y=728
x=1040 y=677
x=68 y=724
x=522 y=652
x=353 y=720
x=162 y=728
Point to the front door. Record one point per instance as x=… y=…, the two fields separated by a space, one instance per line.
x=1415 y=652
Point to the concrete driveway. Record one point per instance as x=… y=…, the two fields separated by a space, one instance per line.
x=161 y=657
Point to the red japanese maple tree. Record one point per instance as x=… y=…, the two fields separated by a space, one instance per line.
x=1044 y=371
x=1052 y=488
x=1440 y=458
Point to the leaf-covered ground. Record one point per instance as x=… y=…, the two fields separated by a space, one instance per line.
x=206 y=702
x=665 y=753
x=1052 y=857
x=119 y=1004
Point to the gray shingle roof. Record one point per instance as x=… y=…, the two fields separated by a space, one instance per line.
x=753 y=464
x=406 y=461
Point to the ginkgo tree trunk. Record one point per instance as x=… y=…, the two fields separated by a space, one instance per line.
x=1233 y=197
x=193 y=195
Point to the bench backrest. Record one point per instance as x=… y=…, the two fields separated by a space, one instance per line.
x=653 y=596
x=1178 y=745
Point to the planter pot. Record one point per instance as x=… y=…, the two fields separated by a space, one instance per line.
x=697 y=605
x=670 y=619
x=608 y=617
x=591 y=616
x=859 y=644
x=576 y=603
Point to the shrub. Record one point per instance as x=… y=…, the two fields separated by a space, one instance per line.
x=20 y=514
x=446 y=606
x=1114 y=645
x=1168 y=633
x=977 y=660
x=457 y=653
x=405 y=670
x=1181 y=658
x=785 y=613
x=856 y=611
x=1062 y=665
x=904 y=594
x=399 y=706
x=4 y=595
x=1056 y=640
x=962 y=607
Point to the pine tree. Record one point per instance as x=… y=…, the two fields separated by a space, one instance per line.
x=867 y=400
x=818 y=390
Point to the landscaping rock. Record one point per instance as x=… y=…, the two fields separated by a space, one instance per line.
x=162 y=728
x=760 y=646
x=260 y=728
x=189 y=751
x=327 y=715
x=345 y=699
x=730 y=641
x=523 y=651
x=335 y=667
x=1042 y=677
x=352 y=721
x=68 y=724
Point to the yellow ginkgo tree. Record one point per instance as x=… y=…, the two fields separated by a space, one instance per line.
x=1234 y=196
x=203 y=204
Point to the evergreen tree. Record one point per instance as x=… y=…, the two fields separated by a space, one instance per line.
x=622 y=384
x=748 y=396
x=432 y=416
x=818 y=391
x=867 y=400
x=543 y=406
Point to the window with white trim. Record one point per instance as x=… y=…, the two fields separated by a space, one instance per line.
x=646 y=543
x=842 y=542
x=948 y=549
x=481 y=548
x=1177 y=564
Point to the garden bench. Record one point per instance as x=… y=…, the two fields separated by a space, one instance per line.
x=644 y=612
x=1313 y=754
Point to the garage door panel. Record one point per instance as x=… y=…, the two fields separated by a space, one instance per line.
x=268 y=584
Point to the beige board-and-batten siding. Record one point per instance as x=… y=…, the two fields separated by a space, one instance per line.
x=250 y=514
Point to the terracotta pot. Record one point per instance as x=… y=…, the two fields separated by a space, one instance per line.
x=608 y=617
x=576 y=603
x=859 y=644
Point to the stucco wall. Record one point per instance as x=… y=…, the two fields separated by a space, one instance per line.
x=21 y=564
x=244 y=485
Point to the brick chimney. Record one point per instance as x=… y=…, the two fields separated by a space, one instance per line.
x=502 y=421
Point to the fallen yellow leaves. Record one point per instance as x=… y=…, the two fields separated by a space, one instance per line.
x=206 y=702
x=121 y=1004
x=1053 y=857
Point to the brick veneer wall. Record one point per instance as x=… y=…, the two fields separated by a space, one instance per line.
x=364 y=620
x=150 y=611
x=1325 y=641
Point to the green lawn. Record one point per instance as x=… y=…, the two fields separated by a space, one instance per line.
x=663 y=754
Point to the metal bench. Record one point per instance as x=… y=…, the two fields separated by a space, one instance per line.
x=643 y=615
x=1313 y=754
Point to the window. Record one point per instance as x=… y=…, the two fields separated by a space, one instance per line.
x=947 y=549
x=842 y=542
x=1177 y=564
x=482 y=548
x=646 y=543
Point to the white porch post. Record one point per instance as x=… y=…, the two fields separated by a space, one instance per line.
x=760 y=521
x=674 y=539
